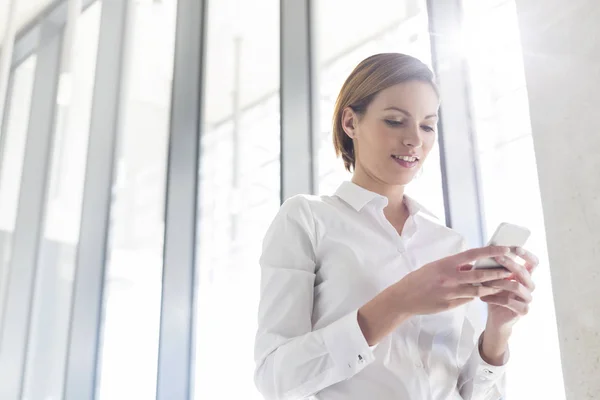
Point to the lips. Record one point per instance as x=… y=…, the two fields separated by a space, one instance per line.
x=406 y=161
x=406 y=158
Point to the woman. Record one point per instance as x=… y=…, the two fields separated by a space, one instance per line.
x=366 y=295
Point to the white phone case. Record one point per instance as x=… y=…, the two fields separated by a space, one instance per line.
x=506 y=235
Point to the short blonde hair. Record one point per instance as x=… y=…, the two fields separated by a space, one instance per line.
x=370 y=77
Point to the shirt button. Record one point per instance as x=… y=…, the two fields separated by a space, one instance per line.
x=487 y=372
x=419 y=364
x=361 y=360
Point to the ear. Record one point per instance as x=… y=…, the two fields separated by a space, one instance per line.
x=349 y=122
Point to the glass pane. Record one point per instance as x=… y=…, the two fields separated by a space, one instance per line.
x=385 y=26
x=129 y=349
x=507 y=161
x=56 y=262
x=46 y=357
x=239 y=160
x=12 y=151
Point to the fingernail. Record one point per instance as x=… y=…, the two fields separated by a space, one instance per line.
x=520 y=251
x=506 y=250
x=501 y=259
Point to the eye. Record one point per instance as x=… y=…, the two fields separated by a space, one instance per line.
x=428 y=128
x=393 y=123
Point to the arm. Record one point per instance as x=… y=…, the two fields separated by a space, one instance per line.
x=292 y=360
x=504 y=310
x=481 y=376
x=478 y=379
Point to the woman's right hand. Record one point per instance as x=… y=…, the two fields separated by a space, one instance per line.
x=448 y=283
x=435 y=287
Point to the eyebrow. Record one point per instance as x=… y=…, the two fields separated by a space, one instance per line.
x=408 y=114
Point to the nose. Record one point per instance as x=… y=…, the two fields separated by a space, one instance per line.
x=412 y=138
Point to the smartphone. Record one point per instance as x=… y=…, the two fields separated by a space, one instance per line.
x=506 y=235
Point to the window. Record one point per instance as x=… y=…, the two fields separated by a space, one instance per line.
x=384 y=26
x=239 y=180
x=132 y=294
x=239 y=190
x=50 y=317
x=507 y=162
x=12 y=151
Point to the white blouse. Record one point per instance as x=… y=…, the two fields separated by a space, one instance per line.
x=325 y=257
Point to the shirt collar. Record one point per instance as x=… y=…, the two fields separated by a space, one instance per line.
x=358 y=197
x=414 y=208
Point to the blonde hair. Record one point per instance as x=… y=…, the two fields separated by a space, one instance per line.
x=370 y=77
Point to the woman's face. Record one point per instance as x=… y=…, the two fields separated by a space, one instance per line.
x=396 y=133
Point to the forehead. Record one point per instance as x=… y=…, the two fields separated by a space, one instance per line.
x=418 y=98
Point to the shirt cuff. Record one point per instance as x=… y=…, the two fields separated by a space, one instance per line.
x=485 y=371
x=347 y=345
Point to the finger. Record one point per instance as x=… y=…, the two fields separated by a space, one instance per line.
x=531 y=259
x=481 y=275
x=521 y=273
x=470 y=256
x=505 y=300
x=459 y=302
x=514 y=287
x=466 y=267
x=470 y=291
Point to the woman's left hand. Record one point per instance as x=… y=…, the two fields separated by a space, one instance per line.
x=506 y=307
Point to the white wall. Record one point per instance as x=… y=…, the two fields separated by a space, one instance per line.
x=561 y=48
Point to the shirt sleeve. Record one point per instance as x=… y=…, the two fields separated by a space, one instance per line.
x=292 y=360
x=478 y=380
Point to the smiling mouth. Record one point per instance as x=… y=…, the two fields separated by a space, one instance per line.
x=409 y=159
x=406 y=161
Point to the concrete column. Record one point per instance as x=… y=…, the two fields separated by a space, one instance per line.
x=561 y=49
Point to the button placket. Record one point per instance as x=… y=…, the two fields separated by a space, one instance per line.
x=400 y=247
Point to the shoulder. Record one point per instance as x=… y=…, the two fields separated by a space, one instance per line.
x=298 y=206
x=301 y=201
x=311 y=213
x=303 y=205
x=296 y=213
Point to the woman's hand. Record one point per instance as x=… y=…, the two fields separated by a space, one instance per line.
x=508 y=305
x=513 y=300
x=448 y=283
x=435 y=287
